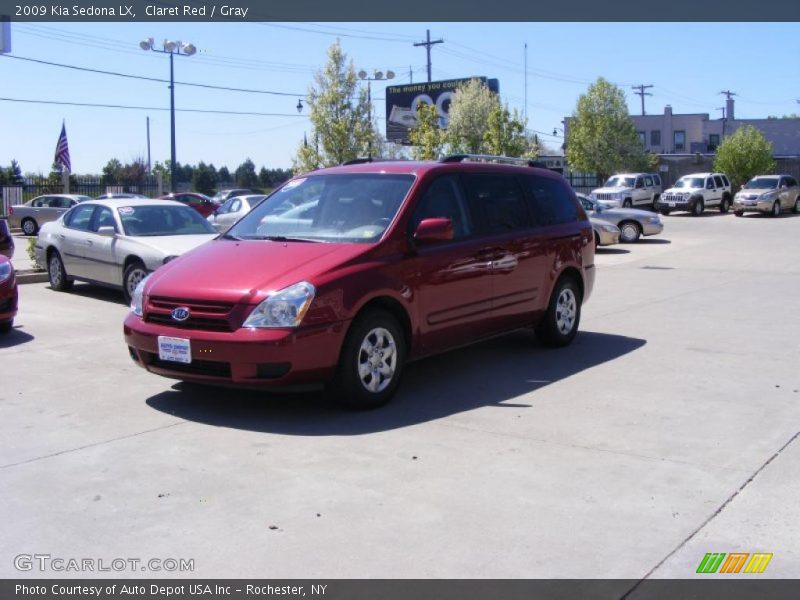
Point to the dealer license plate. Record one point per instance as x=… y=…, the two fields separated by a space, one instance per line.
x=174 y=349
x=671 y=203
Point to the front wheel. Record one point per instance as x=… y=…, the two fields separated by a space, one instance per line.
x=725 y=205
x=560 y=323
x=796 y=207
x=698 y=207
x=776 y=209
x=57 y=274
x=665 y=213
x=627 y=203
x=134 y=273
x=371 y=362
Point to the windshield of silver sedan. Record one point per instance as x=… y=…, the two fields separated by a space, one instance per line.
x=351 y=208
x=156 y=220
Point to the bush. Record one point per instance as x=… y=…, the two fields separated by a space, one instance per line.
x=32 y=255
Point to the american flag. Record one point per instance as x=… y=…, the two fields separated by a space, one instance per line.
x=62 y=149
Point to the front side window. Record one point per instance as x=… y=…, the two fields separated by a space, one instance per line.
x=443 y=199
x=103 y=217
x=346 y=208
x=80 y=217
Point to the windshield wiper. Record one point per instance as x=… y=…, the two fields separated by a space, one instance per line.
x=278 y=238
x=230 y=236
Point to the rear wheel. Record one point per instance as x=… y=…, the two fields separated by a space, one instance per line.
x=596 y=240
x=134 y=273
x=57 y=274
x=371 y=362
x=796 y=207
x=629 y=232
x=560 y=323
x=739 y=213
x=29 y=226
x=6 y=326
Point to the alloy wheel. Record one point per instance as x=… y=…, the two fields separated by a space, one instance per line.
x=377 y=360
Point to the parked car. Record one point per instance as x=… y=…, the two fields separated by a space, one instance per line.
x=233 y=210
x=118 y=242
x=112 y=195
x=200 y=202
x=221 y=196
x=629 y=189
x=768 y=194
x=632 y=222
x=8 y=295
x=605 y=234
x=400 y=260
x=6 y=240
x=696 y=192
x=42 y=209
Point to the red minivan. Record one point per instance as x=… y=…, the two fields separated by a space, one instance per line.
x=344 y=274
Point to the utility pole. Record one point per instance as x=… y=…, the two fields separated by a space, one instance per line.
x=728 y=94
x=722 y=108
x=428 y=43
x=642 y=93
x=148 y=145
x=410 y=74
x=525 y=111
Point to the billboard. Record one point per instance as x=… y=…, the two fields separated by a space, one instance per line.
x=402 y=102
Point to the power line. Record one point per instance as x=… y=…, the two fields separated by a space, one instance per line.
x=154 y=79
x=128 y=107
x=642 y=93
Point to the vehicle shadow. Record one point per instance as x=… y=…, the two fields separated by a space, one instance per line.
x=98 y=292
x=759 y=215
x=706 y=213
x=651 y=240
x=494 y=373
x=607 y=250
x=15 y=337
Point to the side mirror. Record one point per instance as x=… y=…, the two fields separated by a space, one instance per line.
x=438 y=229
x=106 y=231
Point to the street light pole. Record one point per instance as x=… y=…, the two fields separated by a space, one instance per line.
x=377 y=76
x=171 y=48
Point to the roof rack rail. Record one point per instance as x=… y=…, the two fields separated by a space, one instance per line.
x=491 y=158
x=368 y=159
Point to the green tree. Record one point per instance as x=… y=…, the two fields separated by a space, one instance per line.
x=339 y=116
x=13 y=174
x=204 y=178
x=224 y=175
x=112 y=172
x=468 y=119
x=427 y=137
x=162 y=170
x=601 y=137
x=246 y=174
x=505 y=134
x=264 y=178
x=744 y=154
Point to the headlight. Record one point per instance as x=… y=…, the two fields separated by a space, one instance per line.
x=137 y=298
x=655 y=220
x=687 y=195
x=284 y=308
x=767 y=196
x=5 y=271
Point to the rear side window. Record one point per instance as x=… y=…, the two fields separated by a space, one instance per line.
x=496 y=203
x=725 y=180
x=549 y=200
x=648 y=180
x=656 y=179
x=791 y=181
x=718 y=181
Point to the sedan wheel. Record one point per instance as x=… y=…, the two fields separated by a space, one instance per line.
x=57 y=274
x=796 y=207
x=629 y=232
x=132 y=277
x=776 y=209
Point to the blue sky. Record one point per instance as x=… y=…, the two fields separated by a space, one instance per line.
x=689 y=64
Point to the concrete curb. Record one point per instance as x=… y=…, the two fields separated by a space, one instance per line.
x=27 y=276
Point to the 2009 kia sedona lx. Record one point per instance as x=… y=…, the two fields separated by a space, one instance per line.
x=344 y=274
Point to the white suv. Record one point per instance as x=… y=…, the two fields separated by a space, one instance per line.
x=628 y=190
x=696 y=192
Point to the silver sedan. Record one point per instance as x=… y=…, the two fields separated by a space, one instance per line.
x=232 y=210
x=118 y=242
x=632 y=222
x=605 y=234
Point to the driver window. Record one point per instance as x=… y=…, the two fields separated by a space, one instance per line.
x=639 y=182
x=103 y=218
x=709 y=184
x=443 y=199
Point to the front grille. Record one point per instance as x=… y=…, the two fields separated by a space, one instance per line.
x=196 y=367
x=206 y=316
x=605 y=196
x=672 y=197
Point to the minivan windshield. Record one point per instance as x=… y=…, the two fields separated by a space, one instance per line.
x=617 y=181
x=762 y=183
x=690 y=182
x=351 y=208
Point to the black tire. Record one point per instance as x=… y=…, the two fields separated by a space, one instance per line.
x=57 y=274
x=698 y=207
x=550 y=330
x=596 y=240
x=629 y=232
x=131 y=276
x=29 y=226
x=6 y=326
x=627 y=203
x=739 y=213
x=776 y=209
x=665 y=213
x=725 y=205
x=796 y=207
x=350 y=384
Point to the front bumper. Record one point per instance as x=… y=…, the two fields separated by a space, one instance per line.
x=247 y=357
x=608 y=238
x=753 y=205
x=9 y=300
x=674 y=204
x=652 y=228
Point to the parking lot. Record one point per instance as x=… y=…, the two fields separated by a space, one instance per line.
x=669 y=429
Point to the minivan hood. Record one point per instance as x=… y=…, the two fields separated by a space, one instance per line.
x=247 y=271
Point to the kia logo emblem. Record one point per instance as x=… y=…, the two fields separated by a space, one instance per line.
x=180 y=314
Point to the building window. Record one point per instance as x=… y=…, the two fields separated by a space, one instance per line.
x=713 y=142
x=655 y=137
x=642 y=138
x=680 y=141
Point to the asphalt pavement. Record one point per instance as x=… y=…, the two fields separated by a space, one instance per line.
x=669 y=429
